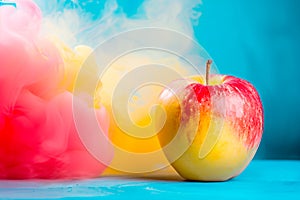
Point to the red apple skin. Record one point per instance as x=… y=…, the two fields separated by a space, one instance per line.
x=227 y=134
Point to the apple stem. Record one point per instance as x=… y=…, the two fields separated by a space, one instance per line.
x=208 y=64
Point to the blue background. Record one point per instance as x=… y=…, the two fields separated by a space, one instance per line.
x=258 y=40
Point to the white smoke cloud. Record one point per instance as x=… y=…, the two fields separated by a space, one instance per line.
x=73 y=21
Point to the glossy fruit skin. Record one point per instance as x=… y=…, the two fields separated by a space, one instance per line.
x=227 y=134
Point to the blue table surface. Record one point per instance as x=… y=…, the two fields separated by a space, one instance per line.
x=262 y=179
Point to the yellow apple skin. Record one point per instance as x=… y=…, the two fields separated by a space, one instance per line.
x=227 y=134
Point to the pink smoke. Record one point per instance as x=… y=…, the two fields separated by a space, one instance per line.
x=38 y=137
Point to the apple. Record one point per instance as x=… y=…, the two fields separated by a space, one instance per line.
x=215 y=120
